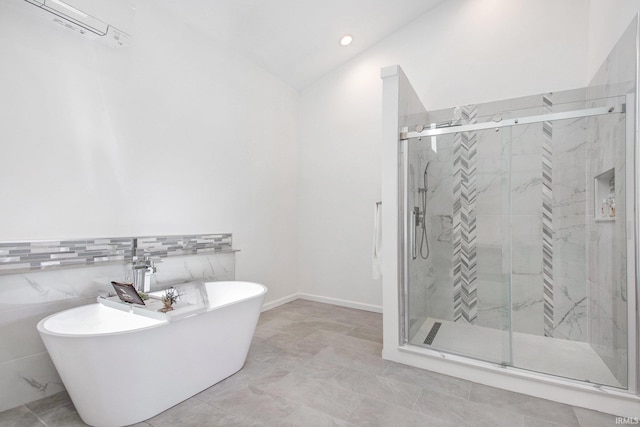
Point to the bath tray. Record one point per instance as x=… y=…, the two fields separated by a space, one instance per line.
x=150 y=309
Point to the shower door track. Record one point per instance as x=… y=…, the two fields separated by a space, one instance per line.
x=589 y=112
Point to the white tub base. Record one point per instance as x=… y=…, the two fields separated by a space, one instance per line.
x=123 y=375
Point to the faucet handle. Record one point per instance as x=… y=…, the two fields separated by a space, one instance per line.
x=145 y=263
x=151 y=264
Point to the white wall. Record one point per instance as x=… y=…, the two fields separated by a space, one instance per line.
x=173 y=135
x=160 y=138
x=461 y=52
x=607 y=21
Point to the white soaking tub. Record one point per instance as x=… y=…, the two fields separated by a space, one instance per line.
x=123 y=366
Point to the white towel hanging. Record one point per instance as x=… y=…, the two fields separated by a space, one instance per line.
x=377 y=241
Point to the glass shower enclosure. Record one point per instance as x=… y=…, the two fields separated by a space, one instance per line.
x=514 y=223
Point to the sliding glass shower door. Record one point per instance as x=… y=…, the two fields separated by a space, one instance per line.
x=515 y=238
x=459 y=244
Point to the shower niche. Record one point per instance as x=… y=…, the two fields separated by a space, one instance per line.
x=604 y=196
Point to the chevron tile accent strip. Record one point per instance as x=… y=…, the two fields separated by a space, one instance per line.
x=547 y=217
x=465 y=274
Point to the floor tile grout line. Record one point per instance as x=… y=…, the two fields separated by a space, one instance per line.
x=360 y=396
x=65 y=403
x=371 y=396
x=36 y=415
x=490 y=407
x=404 y=408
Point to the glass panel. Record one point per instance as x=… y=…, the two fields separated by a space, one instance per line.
x=458 y=295
x=516 y=243
x=569 y=249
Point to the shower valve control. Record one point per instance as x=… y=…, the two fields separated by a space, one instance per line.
x=417 y=216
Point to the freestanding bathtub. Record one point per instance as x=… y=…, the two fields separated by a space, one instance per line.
x=121 y=368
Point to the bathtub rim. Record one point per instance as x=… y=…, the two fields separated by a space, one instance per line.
x=262 y=292
x=44 y=331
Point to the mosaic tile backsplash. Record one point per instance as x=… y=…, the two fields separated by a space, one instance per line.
x=52 y=254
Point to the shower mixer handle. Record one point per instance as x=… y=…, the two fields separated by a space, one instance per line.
x=416 y=221
x=417 y=217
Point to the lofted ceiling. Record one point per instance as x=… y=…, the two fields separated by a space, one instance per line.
x=298 y=40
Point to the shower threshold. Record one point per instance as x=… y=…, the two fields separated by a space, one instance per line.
x=554 y=356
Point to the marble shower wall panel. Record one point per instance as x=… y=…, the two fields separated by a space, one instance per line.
x=579 y=269
x=526 y=231
x=567 y=202
x=430 y=290
x=525 y=175
x=422 y=279
x=607 y=276
x=607 y=251
x=492 y=305
x=569 y=145
x=440 y=223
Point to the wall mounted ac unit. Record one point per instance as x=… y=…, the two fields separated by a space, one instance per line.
x=82 y=16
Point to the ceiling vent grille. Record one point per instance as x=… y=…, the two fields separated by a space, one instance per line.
x=83 y=22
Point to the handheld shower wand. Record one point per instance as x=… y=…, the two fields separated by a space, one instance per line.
x=424 y=239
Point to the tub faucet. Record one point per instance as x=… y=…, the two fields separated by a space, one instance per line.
x=143 y=268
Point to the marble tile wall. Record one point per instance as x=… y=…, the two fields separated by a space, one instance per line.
x=28 y=295
x=570 y=154
x=422 y=273
x=514 y=154
x=570 y=284
x=607 y=272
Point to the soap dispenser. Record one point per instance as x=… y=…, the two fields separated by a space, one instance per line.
x=612 y=208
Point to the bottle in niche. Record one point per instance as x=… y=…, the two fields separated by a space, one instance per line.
x=604 y=209
x=612 y=209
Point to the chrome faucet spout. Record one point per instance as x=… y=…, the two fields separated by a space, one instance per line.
x=143 y=268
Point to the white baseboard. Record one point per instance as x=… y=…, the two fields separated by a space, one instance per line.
x=273 y=304
x=342 y=302
x=326 y=300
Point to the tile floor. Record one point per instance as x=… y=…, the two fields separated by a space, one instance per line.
x=315 y=364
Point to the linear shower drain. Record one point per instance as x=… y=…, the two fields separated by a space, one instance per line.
x=432 y=333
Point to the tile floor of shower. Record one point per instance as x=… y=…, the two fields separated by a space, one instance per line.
x=564 y=358
x=314 y=364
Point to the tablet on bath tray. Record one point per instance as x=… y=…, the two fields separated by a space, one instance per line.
x=127 y=293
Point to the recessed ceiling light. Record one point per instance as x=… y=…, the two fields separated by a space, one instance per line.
x=346 y=39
